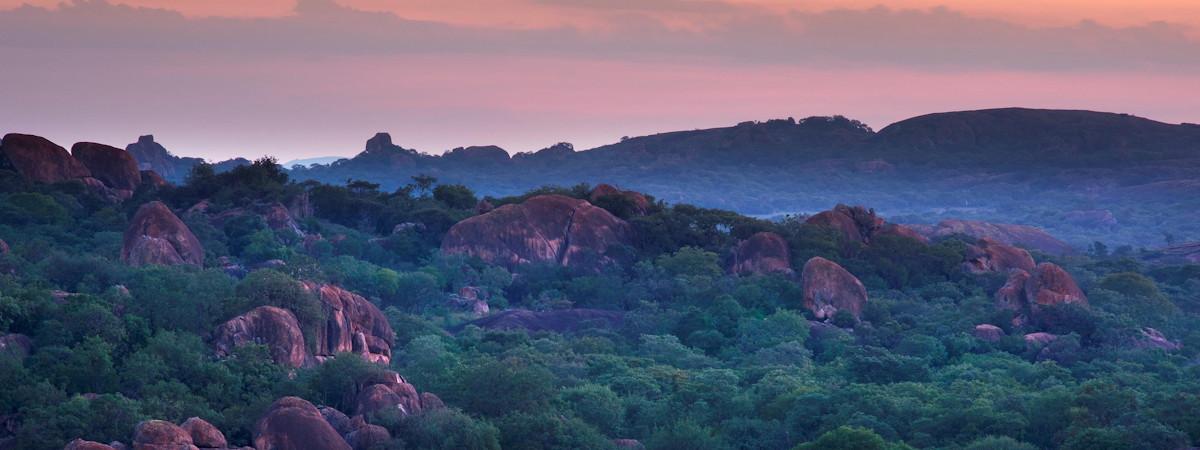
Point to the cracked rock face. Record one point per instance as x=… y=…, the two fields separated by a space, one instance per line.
x=543 y=229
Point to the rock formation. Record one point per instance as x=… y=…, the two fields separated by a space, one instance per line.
x=116 y=168
x=204 y=435
x=1029 y=293
x=274 y=327
x=151 y=155
x=38 y=159
x=1020 y=235
x=859 y=224
x=558 y=321
x=1152 y=338
x=152 y=178
x=161 y=435
x=18 y=345
x=157 y=236
x=762 y=253
x=352 y=324
x=989 y=255
x=546 y=228
x=292 y=423
x=828 y=288
x=988 y=332
x=80 y=444
x=639 y=202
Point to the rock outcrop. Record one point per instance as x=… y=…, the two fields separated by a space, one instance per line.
x=828 y=288
x=152 y=178
x=80 y=444
x=116 y=168
x=1029 y=293
x=161 y=435
x=859 y=224
x=292 y=423
x=989 y=255
x=18 y=345
x=157 y=236
x=558 y=321
x=638 y=201
x=274 y=327
x=547 y=228
x=37 y=159
x=761 y=253
x=1020 y=235
x=1152 y=338
x=988 y=332
x=204 y=435
x=352 y=324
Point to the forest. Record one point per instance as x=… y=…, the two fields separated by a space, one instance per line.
x=655 y=338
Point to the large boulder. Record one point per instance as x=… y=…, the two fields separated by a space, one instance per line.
x=274 y=327
x=828 y=288
x=989 y=255
x=860 y=224
x=637 y=201
x=111 y=165
x=1020 y=235
x=761 y=253
x=368 y=436
x=1028 y=294
x=80 y=444
x=161 y=435
x=547 y=228
x=18 y=345
x=292 y=423
x=38 y=159
x=157 y=236
x=558 y=321
x=204 y=435
x=352 y=324
x=988 y=332
x=1050 y=285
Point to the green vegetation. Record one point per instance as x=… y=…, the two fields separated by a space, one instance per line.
x=703 y=359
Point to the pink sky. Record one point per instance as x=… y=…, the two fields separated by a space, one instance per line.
x=217 y=79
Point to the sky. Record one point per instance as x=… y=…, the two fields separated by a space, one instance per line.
x=224 y=78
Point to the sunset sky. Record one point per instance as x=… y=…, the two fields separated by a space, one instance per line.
x=218 y=78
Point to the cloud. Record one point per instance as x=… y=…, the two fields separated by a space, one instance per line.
x=936 y=39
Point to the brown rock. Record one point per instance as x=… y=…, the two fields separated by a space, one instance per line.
x=1011 y=296
x=430 y=401
x=113 y=166
x=641 y=204
x=204 y=434
x=828 y=288
x=80 y=444
x=1152 y=338
x=1020 y=235
x=292 y=423
x=279 y=217
x=762 y=253
x=353 y=324
x=378 y=397
x=99 y=189
x=859 y=224
x=4 y=247
x=161 y=435
x=337 y=419
x=18 y=345
x=38 y=159
x=152 y=178
x=989 y=332
x=1039 y=339
x=157 y=236
x=368 y=437
x=1050 y=285
x=988 y=255
x=274 y=327
x=546 y=228
x=558 y=321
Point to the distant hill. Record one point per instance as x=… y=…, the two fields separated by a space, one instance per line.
x=151 y=155
x=326 y=160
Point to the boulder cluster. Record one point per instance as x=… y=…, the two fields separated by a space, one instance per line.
x=157 y=236
x=108 y=172
x=762 y=253
x=290 y=423
x=860 y=224
x=352 y=325
x=1030 y=293
x=552 y=229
